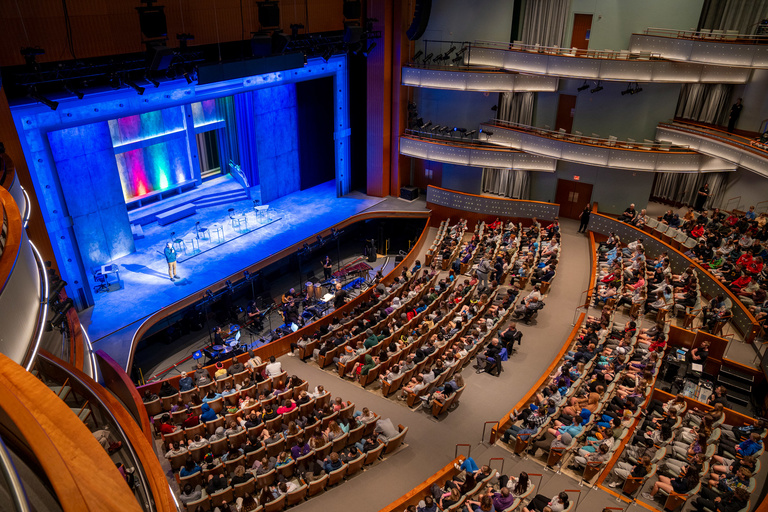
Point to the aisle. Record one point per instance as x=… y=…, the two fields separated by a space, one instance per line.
x=486 y=398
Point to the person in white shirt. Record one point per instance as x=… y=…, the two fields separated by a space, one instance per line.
x=274 y=368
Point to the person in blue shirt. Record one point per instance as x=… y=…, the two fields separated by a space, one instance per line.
x=207 y=414
x=170 y=258
x=749 y=447
x=190 y=468
x=186 y=383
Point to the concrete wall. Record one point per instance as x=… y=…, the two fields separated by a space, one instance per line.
x=613 y=189
x=459 y=20
x=748 y=187
x=613 y=22
x=462 y=178
x=277 y=138
x=755 y=101
x=87 y=171
x=455 y=108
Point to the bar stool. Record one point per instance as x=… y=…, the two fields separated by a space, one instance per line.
x=180 y=246
x=201 y=232
x=261 y=211
x=195 y=245
x=219 y=232
x=242 y=223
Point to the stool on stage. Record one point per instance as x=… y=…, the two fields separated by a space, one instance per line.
x=201 y=232
x=218 y=231
x=195 y=244
x=180 y=245
x=261 y=211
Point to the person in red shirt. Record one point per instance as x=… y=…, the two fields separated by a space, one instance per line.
x=192 y=419
x=755 y=266
x=166 y=427
x=744 y=260
x=697 y=231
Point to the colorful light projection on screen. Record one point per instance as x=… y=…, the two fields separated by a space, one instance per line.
x=131 y=129
x=205 y=112
x=154 y=168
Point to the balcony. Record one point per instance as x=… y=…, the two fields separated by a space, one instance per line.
x=624 y=65
x=473 y=153
x=741 y=151
x=469 y=79
x=715 y=47
x=617 y=154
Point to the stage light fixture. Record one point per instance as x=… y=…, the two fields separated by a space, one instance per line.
x=495 y=108
x=597 y=88
x=628 y=91
x=152 y=81
x=470 y=133
x=56 y=322
x=583 y=87
x=74 y=92
x=428 y=58
x=187 y=77
x=115 y=82
x=136 y=87
x=53 y=105
x=488 y=134
x=462 y=51
x=30 y=54
x=637 y=89
x=417 y=55
x=64 y=306
x=246 y=275
x=55 y=290
x=370 y=49
x=208 y=294
x=327 y=54
x=450 y=51
x=426 y=125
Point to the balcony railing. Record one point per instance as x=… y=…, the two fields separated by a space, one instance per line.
x=727 y=36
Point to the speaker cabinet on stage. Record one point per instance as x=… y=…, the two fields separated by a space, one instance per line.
x=371 y=250
x=409 y=193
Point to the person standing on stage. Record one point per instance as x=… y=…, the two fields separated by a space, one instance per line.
x=327 y=267
x=170 y=257
x=701 y=197
x=584 y=217
x=734 y=115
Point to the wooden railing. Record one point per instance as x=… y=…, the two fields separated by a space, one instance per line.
x=415 y=495
x=80 y=471
x=138 y=445
x=282 y=346
x=12 y=216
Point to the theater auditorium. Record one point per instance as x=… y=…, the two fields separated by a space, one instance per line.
x=394 y=255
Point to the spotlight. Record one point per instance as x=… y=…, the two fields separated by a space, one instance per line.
x=470 y=133
x=56 y=322
x=327 y=54
x=597 y=88
x=54 y=293
x=208 y=294
x=152 y=81
x=136 y=87
x=115 y=82
x=495 y=108
x=417 y=55
x=370 y=49
x=450 y=51
x=426 y=125
x=457 y=58
x=187 y=77
x=461 y=52
x=63 y=307
x=246 y=275
x=488 y=134
x=53 y=105
x=75 y=92
x=628 y=91
x=583 y=87
x=638 y=89
x=428 y=58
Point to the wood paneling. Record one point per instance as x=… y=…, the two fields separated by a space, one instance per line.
x=379 y=103
x=566 y=105
x=572 y=196
x=582 y=24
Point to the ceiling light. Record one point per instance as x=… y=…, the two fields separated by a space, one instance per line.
x=583 y=87
x=136 y=87
x=53 y=105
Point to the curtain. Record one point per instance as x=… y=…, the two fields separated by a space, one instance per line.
x=507 y=182
x=741 y=15
x=682 y=187
x=246 y=135
x=708 y=103
x=516 y=107
x=544 y=22
x=228 y=146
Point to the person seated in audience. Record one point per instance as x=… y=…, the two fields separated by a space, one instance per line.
x=240 y=476
x=681 y=484
x=235 y=367
x=186 y=383
x=232 y=454
x=541 y=503
x=385 y=430
x=493 y=351
x=232 y=428
x=216 y=483
x=623 y=470
x=207 y=413
x=175 y=450
x=166 y=427
x=211 y=396
x=728 y=502
x=197 y=442
x=166 y=389
x=751 y=446
x=427 y=505
x=599 y=456
x=190 y=494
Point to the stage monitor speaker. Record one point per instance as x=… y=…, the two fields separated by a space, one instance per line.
x=152 y=22
x=409 y=193
x=420 y=19
x=269 y=14
x=352 y=9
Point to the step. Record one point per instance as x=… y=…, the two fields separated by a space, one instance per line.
x=737 y=374
x=61 y=391
x=734 y=383
x=179 y=213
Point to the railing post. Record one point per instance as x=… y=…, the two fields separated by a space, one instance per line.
x=482 y=439
x=490 y=462
x=456 y=450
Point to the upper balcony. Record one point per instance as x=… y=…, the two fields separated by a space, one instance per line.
x=623 y=65
x=618 y=154
x=714 y=47
x=473 y=153
x=742 y=151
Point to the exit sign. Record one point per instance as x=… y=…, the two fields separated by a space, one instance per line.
x=576 y=178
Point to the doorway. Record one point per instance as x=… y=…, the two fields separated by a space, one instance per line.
x=572 y=196
x=582 y=26
x=566 y=106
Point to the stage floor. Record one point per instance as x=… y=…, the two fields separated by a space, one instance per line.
x=111 y=322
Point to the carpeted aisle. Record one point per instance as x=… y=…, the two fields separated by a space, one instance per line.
x=430 y=442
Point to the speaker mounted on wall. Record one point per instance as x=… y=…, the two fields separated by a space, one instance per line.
x=420 y=19
x=269 y=14
x=152 y=21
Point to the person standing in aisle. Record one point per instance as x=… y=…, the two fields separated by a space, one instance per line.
x=584 y=217
x=170 y=258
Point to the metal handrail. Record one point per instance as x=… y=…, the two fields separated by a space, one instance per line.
x=460 y=140
x=14 y=480
x=706 y=35
x=594 y=141
x=518 y=46
x=456 y=449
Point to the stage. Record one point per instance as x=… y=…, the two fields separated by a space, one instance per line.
x=146 y=287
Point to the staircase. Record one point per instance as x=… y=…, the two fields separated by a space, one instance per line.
x=220 y=199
